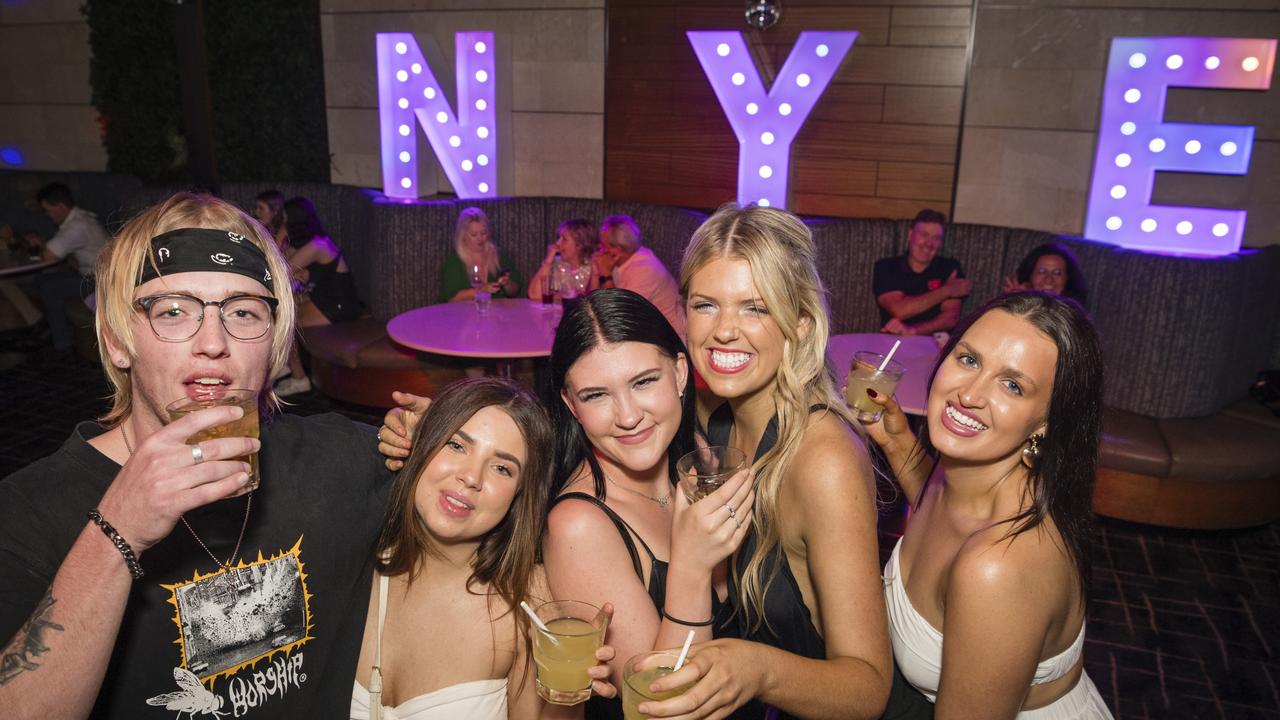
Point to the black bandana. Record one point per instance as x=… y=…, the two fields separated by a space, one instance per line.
x=205 y=250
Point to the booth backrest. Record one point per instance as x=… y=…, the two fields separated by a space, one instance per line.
x=1182 y=337
x=103 y=194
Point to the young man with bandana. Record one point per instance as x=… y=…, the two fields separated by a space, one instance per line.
x=137 y=578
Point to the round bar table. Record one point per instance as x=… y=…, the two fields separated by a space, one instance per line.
x=514 y=328
x=917 y=354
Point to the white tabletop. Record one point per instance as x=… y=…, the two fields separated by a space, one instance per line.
x=917 y=354
x=514 y=328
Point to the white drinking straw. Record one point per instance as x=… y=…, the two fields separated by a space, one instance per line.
x=537 y=621
x=889 y=357
x=684 y=651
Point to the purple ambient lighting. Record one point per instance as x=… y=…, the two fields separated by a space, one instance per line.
x=1134 y=142
x=408 y=94
x=767 y=123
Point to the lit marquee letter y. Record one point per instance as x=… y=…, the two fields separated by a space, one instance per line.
x=465 y=144
x=1134 y=141
x=767 y=123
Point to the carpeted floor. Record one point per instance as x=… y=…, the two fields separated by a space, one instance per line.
x=1182 y=624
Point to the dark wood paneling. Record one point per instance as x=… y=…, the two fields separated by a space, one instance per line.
x=880 y=143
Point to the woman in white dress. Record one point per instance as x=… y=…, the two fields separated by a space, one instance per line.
x=444 y=636
x=996 y=555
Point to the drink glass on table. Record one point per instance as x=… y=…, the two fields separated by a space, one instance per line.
x=567 y=649
x=707 y=468
x=639 y=672
x=246 y=426
x=865 y=372
x=482 y=297
x=544 y=289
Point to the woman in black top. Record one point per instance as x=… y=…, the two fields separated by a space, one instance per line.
x=804 y=626
x=622 y=396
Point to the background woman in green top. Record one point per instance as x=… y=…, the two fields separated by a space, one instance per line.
x=475 y=249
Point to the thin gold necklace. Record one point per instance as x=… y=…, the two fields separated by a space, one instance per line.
x=661 y=501
x=222 y=566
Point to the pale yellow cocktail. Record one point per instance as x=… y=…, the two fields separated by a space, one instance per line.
x=638 y=673
x=565 y=652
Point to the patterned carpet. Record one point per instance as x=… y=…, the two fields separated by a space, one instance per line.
x=1182 y=624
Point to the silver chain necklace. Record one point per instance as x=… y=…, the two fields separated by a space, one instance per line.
x=661 y=501
x=222 y=566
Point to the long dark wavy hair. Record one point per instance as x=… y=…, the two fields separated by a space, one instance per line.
x=302 y=222
x=1076 y=288
x=507 y=553
x=1060 y=482
x=606 y=317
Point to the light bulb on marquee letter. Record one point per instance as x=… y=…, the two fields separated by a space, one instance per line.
x=1134 y=141
x=409 y=95
x=767 y=123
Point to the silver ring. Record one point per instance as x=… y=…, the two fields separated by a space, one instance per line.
x=734 y=518
x=732 y=513
x=380 y=436
x=197 y=454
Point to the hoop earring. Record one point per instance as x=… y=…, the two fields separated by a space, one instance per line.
x=1031 y=453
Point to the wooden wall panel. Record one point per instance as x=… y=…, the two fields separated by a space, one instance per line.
x=880 y=143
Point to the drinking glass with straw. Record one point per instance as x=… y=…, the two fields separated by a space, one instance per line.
x=871 y=370
x=566 y=635
x=642 y=670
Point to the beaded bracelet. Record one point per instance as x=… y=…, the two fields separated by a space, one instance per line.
x=686 y=623
x=130 y=560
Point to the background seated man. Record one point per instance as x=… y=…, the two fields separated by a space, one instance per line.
x=624 y=263
x=80 y=238
x=919 y=292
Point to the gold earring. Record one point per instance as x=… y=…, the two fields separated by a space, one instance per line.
x=1031 y=453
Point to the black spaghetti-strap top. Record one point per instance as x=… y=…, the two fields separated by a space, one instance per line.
x=787 y=624
x=598 y=708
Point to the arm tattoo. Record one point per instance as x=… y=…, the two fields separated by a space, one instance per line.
x=28 y=645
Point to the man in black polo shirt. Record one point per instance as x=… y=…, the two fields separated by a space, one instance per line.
x=919 y=292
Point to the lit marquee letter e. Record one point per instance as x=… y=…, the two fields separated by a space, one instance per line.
x=1134 y=141
x=767 y=123
x=408 y=94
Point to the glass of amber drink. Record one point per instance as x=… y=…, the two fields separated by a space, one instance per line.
x=639 y=672
x=246 y=426
x=567 y=649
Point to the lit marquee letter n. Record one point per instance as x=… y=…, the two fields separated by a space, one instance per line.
x=408 y=94
x=1134 y=141
x=767 y=123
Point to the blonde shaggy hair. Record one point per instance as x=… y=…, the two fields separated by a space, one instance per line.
x=120 y=267
x=778 y=247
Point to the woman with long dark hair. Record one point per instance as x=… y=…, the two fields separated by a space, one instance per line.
x=1051 y=268
x=996 y=556
x=457 y=556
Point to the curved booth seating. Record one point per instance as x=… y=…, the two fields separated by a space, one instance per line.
x=1181 y=336
x=1219 y=471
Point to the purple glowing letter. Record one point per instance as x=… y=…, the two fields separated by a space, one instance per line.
x=1134 y=142
x=766 y=123
x=466 y=145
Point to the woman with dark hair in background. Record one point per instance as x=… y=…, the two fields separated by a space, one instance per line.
x=323 y=284
x=457 y=556
x=996 y=553
x=268 y=209
x=575 y=243
x=1051 y=268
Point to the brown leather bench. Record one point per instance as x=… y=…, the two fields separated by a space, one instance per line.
x=1219 y=471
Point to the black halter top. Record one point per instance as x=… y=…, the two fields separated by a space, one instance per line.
x=786 y=624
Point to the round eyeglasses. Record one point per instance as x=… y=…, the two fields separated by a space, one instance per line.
x=179 y=316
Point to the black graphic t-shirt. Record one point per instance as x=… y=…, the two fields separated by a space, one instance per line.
x=893 y=273
x=276 y=637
